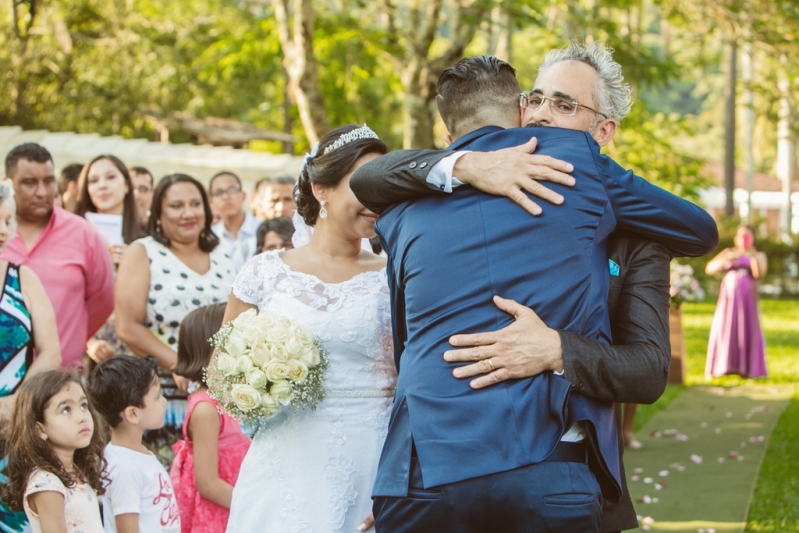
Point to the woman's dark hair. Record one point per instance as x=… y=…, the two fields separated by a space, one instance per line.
x=194 y=348
x=328 y=169
x=131 y=226
x=27 y=451
x=121 y=382
x=208 y=240
x=280 y=225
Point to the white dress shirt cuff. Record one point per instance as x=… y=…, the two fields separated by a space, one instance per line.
x=440 y=176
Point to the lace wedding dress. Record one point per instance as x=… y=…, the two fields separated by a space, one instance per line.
x=311 y=471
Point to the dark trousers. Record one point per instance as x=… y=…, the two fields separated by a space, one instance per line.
x=558 y=497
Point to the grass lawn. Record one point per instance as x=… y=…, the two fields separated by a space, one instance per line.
x=775 y=507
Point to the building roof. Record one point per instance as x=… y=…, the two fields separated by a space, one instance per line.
x=201 y=162
x=760 y=181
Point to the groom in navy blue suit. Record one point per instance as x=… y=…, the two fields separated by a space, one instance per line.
x=525 y=455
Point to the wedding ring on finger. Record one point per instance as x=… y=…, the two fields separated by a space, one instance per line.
x=491 y=363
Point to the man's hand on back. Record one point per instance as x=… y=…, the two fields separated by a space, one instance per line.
x=511 y=171
x=523 y=349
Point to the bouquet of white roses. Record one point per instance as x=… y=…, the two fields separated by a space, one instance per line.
x=263 y=361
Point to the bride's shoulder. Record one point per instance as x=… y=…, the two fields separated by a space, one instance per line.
x=264 y=264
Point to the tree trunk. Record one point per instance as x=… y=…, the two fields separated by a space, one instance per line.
x=747 y=62
x=418 y=107
x=729 y=127
x=786 y=148
x=296 y=40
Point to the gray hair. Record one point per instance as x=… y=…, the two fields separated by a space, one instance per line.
x=7 y=195
x=612 y=97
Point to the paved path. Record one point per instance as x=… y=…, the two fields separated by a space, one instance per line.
x=701 y=456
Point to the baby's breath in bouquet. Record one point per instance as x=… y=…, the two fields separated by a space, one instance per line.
x=263 y=361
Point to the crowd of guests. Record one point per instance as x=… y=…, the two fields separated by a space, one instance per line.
x=112 y=284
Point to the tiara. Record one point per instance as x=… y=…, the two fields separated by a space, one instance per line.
x=364 y=132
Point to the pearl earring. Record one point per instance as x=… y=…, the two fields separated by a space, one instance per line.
x=322 y=210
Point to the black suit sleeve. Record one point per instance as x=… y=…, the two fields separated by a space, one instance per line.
x=395 y=177
x=636 y=368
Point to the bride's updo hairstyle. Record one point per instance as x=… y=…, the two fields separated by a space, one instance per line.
x=328 y=167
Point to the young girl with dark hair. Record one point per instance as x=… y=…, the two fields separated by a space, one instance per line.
x=208 y=459
x=55 y=456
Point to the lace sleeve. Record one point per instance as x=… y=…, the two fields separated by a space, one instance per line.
x=384 y=310
x=255 y=279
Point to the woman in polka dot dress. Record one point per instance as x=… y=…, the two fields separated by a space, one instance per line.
x=162 y=278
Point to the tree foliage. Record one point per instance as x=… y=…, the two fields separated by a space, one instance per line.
x=303 y=66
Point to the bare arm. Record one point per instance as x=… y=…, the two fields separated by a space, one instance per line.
x=759 y=265
x=45 y=338
x=234 y=308
x=99 y=285
x=132 y=288
x=718 y=263
x=127 y=523
x=45 y=333
x=49 y=505
x=204 y=433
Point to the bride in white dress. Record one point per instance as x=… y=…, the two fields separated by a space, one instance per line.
x=312 y=471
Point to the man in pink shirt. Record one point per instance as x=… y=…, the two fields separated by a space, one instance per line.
x=63 y=249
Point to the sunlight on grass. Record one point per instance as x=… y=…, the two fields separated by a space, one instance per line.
x=780 y=321
x=775 y=506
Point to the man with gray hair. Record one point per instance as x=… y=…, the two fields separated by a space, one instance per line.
x=579 y=87
x=274 y=197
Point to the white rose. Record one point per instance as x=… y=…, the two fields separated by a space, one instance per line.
x=269 y=405
x=310 y=355
x=276 y=370
x=301 y=334
x=225 y=364
x=236 y=345
x=245 y=397
x=277 y=352
x=294 y=347
x=282 y=392
x=297 y=371
x=251 y=333
x=276 y=332
x=243 y=364
x=260 y=352
x=256 y=378
x=247 y=317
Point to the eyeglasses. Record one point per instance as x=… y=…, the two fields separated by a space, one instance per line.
x=557 y=104
x=219 y=193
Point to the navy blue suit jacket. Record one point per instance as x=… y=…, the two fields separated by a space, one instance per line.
x=449 y=255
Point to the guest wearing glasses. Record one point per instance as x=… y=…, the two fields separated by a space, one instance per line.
x=227 y=199
x=143 y=191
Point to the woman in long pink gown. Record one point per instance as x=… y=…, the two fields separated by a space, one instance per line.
x=736 y=341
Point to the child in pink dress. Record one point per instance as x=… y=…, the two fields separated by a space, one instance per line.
x=208 y=459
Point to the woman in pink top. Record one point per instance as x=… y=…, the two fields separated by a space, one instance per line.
x=208 y=460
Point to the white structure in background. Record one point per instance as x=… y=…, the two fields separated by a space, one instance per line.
x=200 y=162
x=768 y=199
